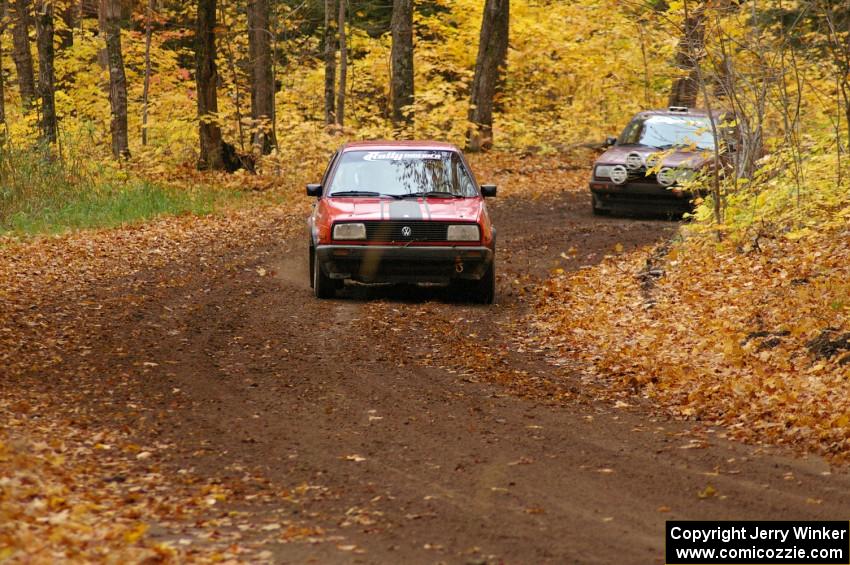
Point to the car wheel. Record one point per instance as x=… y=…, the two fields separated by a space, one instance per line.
x=312 y=261
x=323 y=285
x=485 y=288
x=597 y=211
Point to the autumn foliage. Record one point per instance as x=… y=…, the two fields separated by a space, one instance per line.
x=755 y=341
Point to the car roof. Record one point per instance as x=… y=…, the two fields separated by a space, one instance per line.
x=693 y=112
x=389 y=145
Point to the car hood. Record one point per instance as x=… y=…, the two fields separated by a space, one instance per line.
x=436 y=209
x=690 y=159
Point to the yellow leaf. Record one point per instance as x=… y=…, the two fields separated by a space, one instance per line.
x=707 y=492
x=132 y=536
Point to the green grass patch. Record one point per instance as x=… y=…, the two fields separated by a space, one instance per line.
x=39 y=194
x=113 y=206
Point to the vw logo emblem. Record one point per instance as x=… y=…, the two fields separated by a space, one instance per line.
x=406 y=231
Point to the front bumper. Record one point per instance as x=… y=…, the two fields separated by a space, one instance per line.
x=412 y=264
x=649 y=197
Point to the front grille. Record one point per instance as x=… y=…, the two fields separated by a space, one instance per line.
x=635 y=175
x=639 y=175
x=394 y=230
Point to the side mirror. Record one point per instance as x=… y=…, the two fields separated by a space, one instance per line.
x=314 y=190
x=610 y=141
x=488 y=190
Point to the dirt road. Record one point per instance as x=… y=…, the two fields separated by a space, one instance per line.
x=399 y=426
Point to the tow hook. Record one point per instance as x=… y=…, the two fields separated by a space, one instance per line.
x=458 y=265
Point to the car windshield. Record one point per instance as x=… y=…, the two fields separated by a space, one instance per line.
x=669 y=131
x=402 y=173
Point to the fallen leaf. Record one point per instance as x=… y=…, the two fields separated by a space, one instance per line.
x=707 y=492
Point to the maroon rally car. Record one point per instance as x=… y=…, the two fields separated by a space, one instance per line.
x=402 y=212
x=644 y=167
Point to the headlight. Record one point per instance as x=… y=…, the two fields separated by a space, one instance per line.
x=666 y=176
x=463 y=232
x=350 y=231
x=603 y=171
x=634 y=161
x=619 y=174
x=669 y=176
x=685 y=175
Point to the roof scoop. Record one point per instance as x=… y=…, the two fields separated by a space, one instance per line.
x=681 y=109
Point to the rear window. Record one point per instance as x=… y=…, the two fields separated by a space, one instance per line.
x=401 y=173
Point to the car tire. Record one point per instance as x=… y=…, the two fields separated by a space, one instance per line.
x=323 y=285
x=485 y=287
x=597 y=211
x=311 y=262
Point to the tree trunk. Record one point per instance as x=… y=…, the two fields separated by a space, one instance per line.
x=843 y=55
x=330 y=61
x=343 y=67
x=110 y=27
x=401 y=85
x=688 y=55
x=492 y=56
x=206 y=76
x=147 y=84
x=231 y=62
x=262 y=79
x=46 y=78
x=21 y=51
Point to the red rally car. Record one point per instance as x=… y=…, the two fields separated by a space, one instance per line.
x=402 y=212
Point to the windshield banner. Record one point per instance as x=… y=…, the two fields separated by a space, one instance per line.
x=399 y=155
